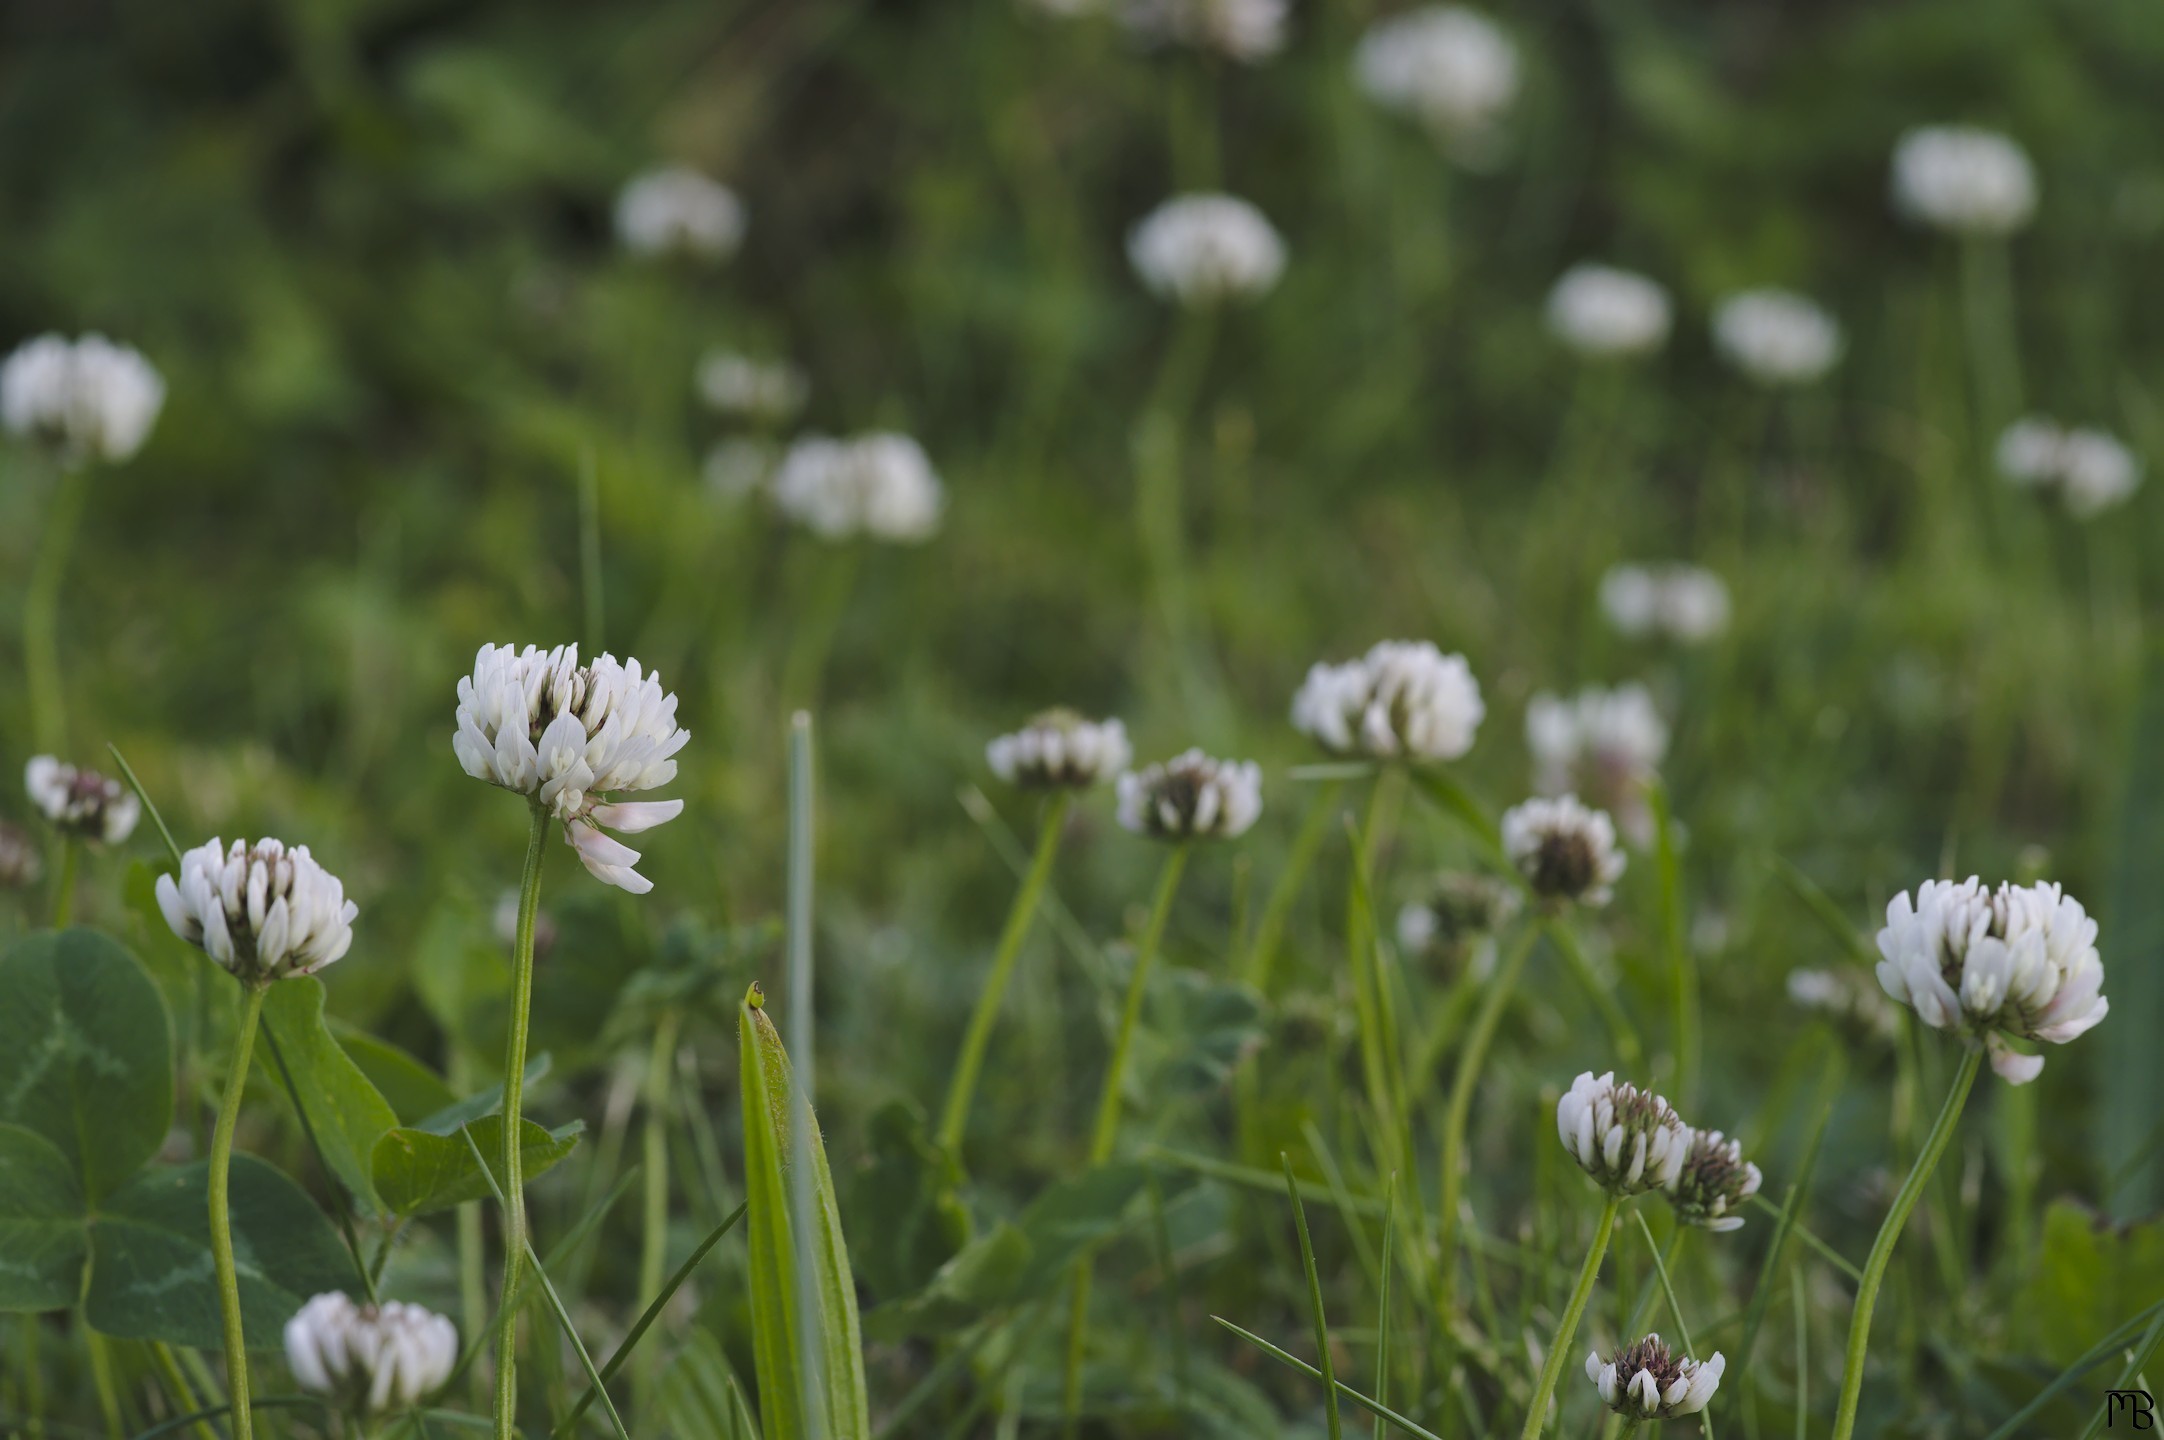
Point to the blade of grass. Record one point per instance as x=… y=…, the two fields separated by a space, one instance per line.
x=1826 y=1252
x=212 y=1412
x=1315 y=1306
x=1295 y=1363
x=1382 y=1305
x=1803 y=1350
x=1683 y=1327
x=1792 y=1204
x=2095 y=1355
x=1822 y=905
x=172 y=847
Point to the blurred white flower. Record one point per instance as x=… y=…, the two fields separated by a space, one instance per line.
x=1683 y=603
x=1646 y=1382
x=1627 y=1139
x=1777 y=337
x=537 y=722
x=881 y=485
x=81 y=803
x=677 y=211
x=1191 y=797
x=1986 y=964
x=1460 y=909
x=1714 y=1182
x=2092 y=469
x=736 y=384
x=1605 y=745
x=2028 y=451
x=1203 y=249
x=738 y=467
x=1447 y=66
x=1963 y=180
x=1404 y=698
x=1846 y=997
x=1564 y=850
x=1061 y=750
x=90 y=399
x=373 y=1357
x=20 y=866
x=1604 y=313
x=264 y=913
x=1243 y=30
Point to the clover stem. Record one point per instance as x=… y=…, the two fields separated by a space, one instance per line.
x=514 y=1075
x=221 y=1224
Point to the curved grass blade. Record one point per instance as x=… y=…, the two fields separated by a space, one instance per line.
x=1314 y=1300
x=1294 y=1362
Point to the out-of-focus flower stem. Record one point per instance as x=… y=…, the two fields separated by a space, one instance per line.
x=221 y=1225
x=514 y=1076
x=1471 y=1058
x=41 y=610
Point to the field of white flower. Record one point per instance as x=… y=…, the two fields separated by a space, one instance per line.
x=1435 y=719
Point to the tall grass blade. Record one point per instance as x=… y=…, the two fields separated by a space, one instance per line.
x=1315 y=1306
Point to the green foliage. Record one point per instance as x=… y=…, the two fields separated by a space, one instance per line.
x=2090 y=1275
x=419 y=1171
x=346 y=1112
x=904 y=1208
x=42 y=1244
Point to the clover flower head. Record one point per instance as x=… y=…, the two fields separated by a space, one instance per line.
x=880 y=485
x=1404 y=699
x=1459 y=910
x=2091 y=469
x=2019 y=961
x=1448 y=66
x=375 y=1357
x=89 y=399
x=1777 y=337
x=1565 y=851
x=1845 y=997
x=1061 y=750
x=1714 y=1182
x=567 y=735
x=1605 y=745
x=1683 y=603
x=675 y=210
x=20 y=866
x=1205 y=249
x=1605 y=313
x=1646 y=1381
x=1191 y=797
x=265 y=912
x=733 y=384
x=81 y=803
x=1963 y=180
x=1248 y=31
x=1627 y=1139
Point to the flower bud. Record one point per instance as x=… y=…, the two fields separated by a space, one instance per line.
x=1627 y=1139
x=1647 y=1381
x=374 y=1357
x=264 y=913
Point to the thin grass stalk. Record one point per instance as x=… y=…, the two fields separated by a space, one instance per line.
x=514 y=1094
x=1803 y=1350
x=1629 y=1051
x=1668 y=1289
x=654 y=1223
x=221 y=1221
x=1471 y=1059
x=1551 y=1370
x=1682 y=970
x=1320 y=1317
x=803 y=1205
x=2137 y=1361
x=177 y=1388
x=1382 y=1305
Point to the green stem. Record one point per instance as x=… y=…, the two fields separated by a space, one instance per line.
x=221 y=1225
x=41 y=610
x=71 y=850
x=178 y=1390
x=514 y=1084
x=1874 y=1269
x=1106 y=1130
x=954 y=1115
x=1462 y=1085
x=1159 y=507
x=33 y=1373
x=1559 y=1351
x=654 y=1246
x=1682 y=971
x=101 y=1374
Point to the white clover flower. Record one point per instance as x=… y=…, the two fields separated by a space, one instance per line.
x=1459 y=910
x=1605 y=745
x=2028 y=452
x=536 y=722
x=1963 y=180
x=880 y=485
x=677 y=211
x=1646 y=1382
x=1191 y=797
x=1205 y=249
x=1714 y=1183
x=2096 y=472
x=1403 y=699
x=90 y=398
x=1061 y=750
x=1605 y=313
x=374 y=1357
x=1683 y=603
x=734 y=384
x=1986 y=964
x=1564 y=850
x=1845 y=997
x=1627 y=1139
x=1447 y=66
x=1245 y=30
x=1777 y=337
x=265 y=913
x=739 y=467
x=81 y=803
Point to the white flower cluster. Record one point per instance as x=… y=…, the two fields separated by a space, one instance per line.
x=1646 y=1381
x=881 y=485
x=734 y=384
x=81 y=803
x=1449 y=67
x=1245 y=30
x=1629 y=1140
x=1565 y=851
x=539 y=723
x=1963 y=180
x=1061 y=750
x=1204 y=249
x=1403 y=699
x=1606 y=745
x=1605 y=313
x=677 y=211
x=1714 y=1183
x=2091 y=469
x=1683 y=603
x=1777 y=337
x=2020 y=960
x=375 y=1357
x=90 y=399
x=264 y=913
x=1191 y=797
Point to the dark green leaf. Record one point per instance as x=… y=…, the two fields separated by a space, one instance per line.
x=42 y=1246
x=905 y=1211
x=413 y=1090
x=347 y=1113
x=454 y=1117
x=417 y=1172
